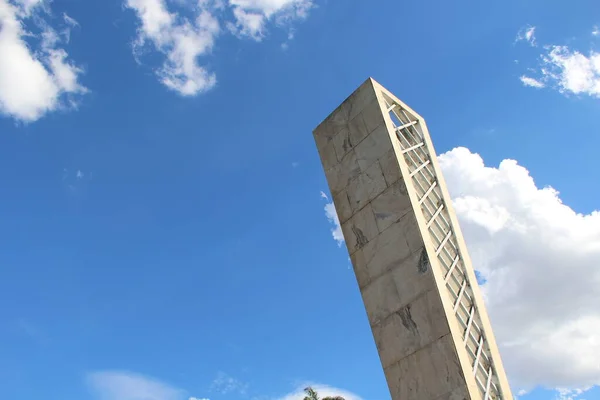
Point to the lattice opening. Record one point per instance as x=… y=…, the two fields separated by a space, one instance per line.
x=418 y=160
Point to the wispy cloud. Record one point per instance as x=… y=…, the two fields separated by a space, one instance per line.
x=225 y=384
x=331 y=214
x=75 y=180
x=596 y=31
x=291 y=34
x=36 y=77
x=570 y=394
x=119 y=385
x=123 y=385
x=531 y=82
x=567 y=70
x=70 y=23
x=527 y=34
x=251 y=16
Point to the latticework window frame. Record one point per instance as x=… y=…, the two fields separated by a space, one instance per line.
x=418 y=158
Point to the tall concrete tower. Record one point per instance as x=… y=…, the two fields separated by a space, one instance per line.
x=412 y=266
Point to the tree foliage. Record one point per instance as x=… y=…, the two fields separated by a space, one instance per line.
x=312 y=394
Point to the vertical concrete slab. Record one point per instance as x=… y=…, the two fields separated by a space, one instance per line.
x=399 y=268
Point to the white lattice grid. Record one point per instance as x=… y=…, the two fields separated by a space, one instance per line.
x=418 y=159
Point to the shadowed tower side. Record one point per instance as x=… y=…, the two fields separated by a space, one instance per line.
x=418 y=286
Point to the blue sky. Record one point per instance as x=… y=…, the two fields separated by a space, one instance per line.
x=163 y=230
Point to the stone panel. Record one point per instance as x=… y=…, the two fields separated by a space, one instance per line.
x=341 y=117
x=459 y=393
x=381 y=299
x=412 y=233
x=410 y=328
x=427 y=374
x=342 y=143
x=357 y=129
x=342 y=205
x=373 y=115
x=324 y=134
x=362 y=98
x=413 y=277
x=340 y=175
x=359 y=264
x=366 y=187
x=388 y=251
x=328 y=155
x=390 y=167
x=349 y=136
x=360 y=229
x=391 y=205
x=373 y=147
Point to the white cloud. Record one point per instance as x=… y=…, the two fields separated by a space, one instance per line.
x=251 y=16
x=528 y=81
x=197 y=398
x=181 y=40
x=572 y=71
x=291 y=34
x=224 y=384
x=569 y=394
x=116 y=385
x=70 y=23
x=331 y=214
x=527 y=34
x=247 y=23
x=34 y=79
x=322 y=390
x=567 y=70
x=596 y=31
x=542 y=264
x=28 y=5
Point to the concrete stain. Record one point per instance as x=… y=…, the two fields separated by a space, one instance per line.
x=407 y=319
x=423 y=264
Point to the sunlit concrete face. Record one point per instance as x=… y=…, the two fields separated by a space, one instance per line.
x=419 y=289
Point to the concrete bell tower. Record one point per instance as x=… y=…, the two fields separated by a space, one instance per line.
x=418 y=286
